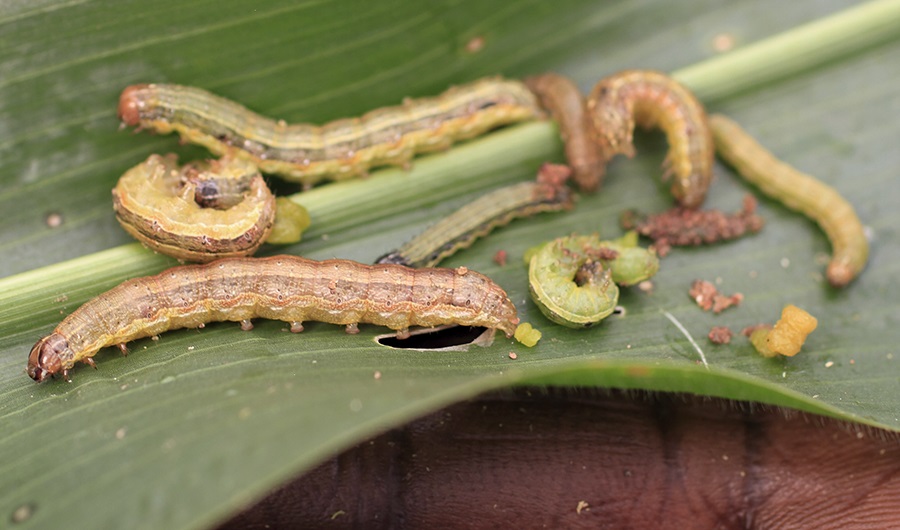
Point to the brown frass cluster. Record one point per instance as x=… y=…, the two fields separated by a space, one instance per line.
x=683 y=226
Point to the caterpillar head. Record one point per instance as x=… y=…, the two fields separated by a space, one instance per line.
x=614 y=130
x=130 y=104
x=46 y=358
x=504 y=312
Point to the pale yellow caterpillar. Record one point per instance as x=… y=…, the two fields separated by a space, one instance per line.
x=798 y=191
x=337 y=150
x=288 y=288
x=476 y=219
x=156 y=202
x=204 y=210
x=647 y=98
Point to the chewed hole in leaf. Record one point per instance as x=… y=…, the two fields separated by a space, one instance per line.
x=439 y=338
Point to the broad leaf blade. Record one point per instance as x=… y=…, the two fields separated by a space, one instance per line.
x=192 y=427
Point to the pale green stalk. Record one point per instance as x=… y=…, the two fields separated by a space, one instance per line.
x=802 y=48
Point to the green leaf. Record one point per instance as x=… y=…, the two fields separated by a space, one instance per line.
x=194 y=426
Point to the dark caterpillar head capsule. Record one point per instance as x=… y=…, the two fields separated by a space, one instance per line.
x=393 y=258
x=45 y=359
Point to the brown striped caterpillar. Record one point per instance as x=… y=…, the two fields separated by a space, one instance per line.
x=288 y=288
x=157 y=203
x=649 y=98
x=798 y=191
x=337 y=150
x=478 y=218
x=562 y=99
x=573 y=280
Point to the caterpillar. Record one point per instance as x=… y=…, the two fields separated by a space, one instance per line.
x=798 y=191
x=157 y=203
x=649 y=98
x=203 y=210
x=573 y=280
x=562 y=99
x=339 y=149
x=287 y=288
x=476 y=219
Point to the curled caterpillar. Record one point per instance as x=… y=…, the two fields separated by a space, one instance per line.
x=337 y=150
x=573 y=279
x=562 y=99
x=798 y=191
x=649 y=98
x=478 y=218
x=288 y=288
x=196 y=212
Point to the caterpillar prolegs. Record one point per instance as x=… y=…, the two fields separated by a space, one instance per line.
x=288 y=288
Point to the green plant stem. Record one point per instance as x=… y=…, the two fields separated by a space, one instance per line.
x=465 y=169
x=805 y=47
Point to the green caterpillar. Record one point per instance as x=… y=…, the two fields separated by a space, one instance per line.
x=573 y=280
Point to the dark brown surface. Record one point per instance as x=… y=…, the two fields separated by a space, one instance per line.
x=556 y=458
